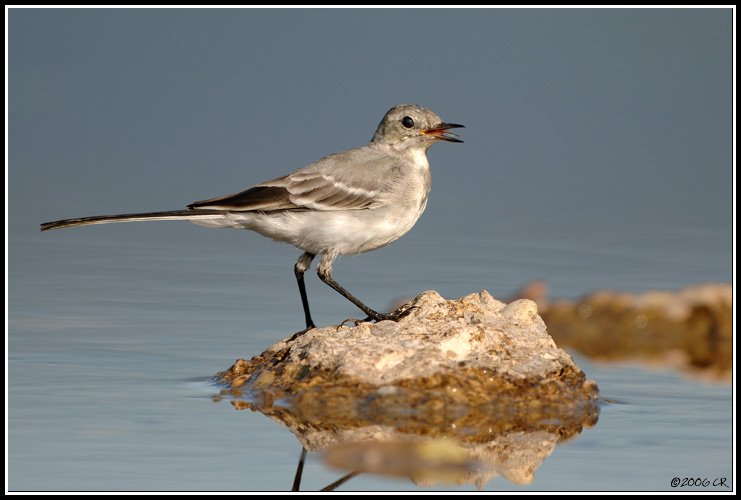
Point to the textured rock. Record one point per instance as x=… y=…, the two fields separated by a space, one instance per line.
x=476 y=344
x=474 y=376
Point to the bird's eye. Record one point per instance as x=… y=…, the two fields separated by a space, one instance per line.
x=407 y=122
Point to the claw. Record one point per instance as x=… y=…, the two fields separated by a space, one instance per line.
x=298 y=334
x=396 y=315
x=351 y=320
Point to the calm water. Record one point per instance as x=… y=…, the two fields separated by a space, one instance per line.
x=598 y=153
x=114 y=332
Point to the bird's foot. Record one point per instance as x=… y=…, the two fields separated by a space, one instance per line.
x=396 y=315
x=376 y=316
x=298 y=334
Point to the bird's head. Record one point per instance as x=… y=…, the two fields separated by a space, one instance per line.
x=411 y=125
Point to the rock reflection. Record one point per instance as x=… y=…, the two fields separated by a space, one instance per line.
x=424 y=461
x=438 y=442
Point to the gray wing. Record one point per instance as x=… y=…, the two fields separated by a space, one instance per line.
x=352 y=180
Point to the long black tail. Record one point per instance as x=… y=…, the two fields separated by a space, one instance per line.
x=110 y=219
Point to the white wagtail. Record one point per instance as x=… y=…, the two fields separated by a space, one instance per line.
x=346 y=203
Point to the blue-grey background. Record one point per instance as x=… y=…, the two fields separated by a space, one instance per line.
x=597 y=154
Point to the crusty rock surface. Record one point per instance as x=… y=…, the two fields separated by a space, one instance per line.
x=438 y=336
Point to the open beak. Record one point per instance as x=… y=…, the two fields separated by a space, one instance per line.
x=441 y=132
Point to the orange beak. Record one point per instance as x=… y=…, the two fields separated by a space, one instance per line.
x=441 y=131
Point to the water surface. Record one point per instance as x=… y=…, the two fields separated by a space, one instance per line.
x=114 y=333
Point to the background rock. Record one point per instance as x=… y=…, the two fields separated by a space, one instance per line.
x=689 y=329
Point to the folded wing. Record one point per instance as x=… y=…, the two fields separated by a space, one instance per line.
x=333 y=183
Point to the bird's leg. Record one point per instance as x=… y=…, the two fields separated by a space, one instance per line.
x=324 y=270
x=302 y=264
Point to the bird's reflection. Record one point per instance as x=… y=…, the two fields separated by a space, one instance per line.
x=436 y=442
x=330 y=487
x=299 y=471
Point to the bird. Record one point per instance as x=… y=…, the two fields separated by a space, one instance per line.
x=349 y=202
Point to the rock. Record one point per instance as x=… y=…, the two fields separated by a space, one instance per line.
x=473 y=374
x=476 y=344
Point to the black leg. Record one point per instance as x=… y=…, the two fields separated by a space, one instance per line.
x=301 y=266
x=326 y=277
x=299 y=470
